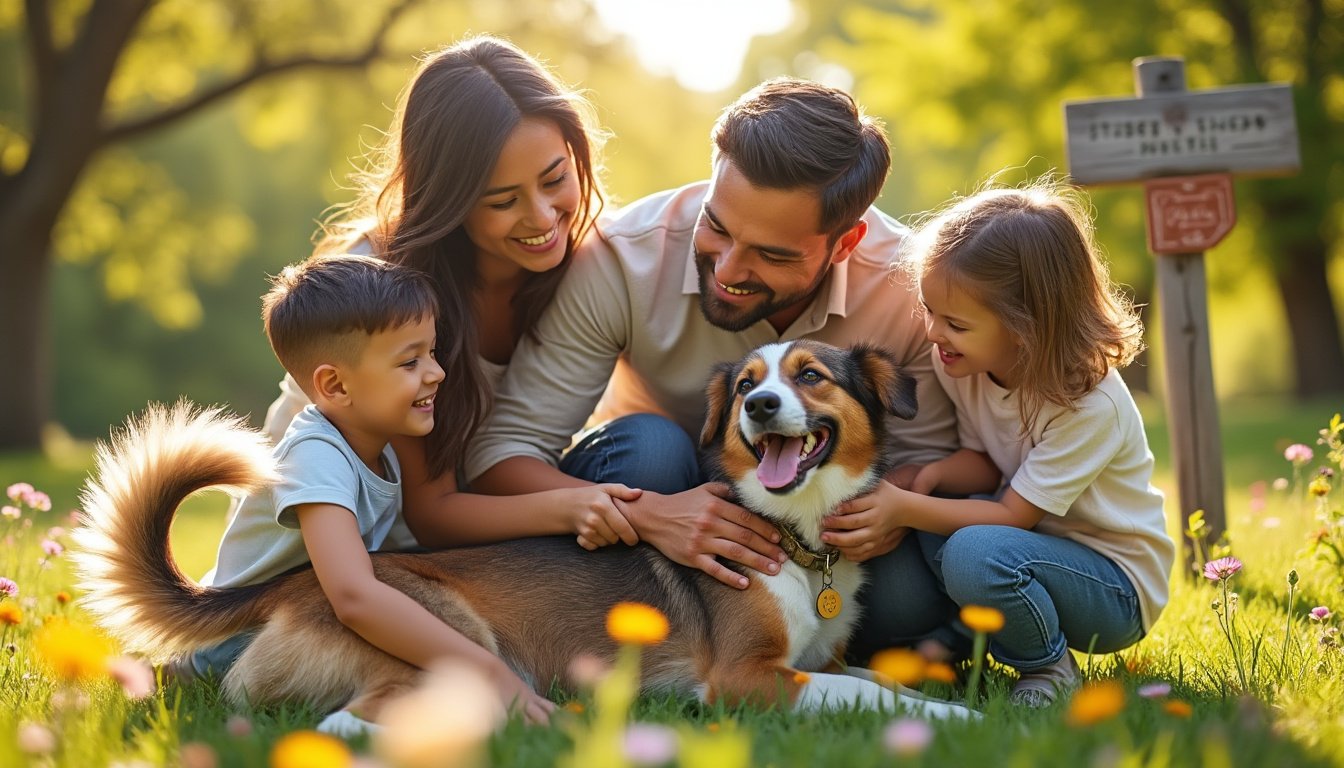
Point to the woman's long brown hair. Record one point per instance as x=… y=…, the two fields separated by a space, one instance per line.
x=432 y=169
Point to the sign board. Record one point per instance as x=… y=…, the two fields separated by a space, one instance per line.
x=1246 y=129
x=1189 y=214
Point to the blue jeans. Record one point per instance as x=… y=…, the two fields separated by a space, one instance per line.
x=641 y=450
x=215 y=660
x=1054 y=593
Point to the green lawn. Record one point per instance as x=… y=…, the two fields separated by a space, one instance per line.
x=1288 y=712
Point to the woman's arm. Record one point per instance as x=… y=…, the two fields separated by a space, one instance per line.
x=442 y=516
x=387 y=618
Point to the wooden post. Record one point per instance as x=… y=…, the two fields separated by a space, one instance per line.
x=1192 y=408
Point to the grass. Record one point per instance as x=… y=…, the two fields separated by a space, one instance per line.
x=1290 y=712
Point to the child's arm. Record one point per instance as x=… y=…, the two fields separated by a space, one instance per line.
x=442 y=516
x=961 y=474
x=387 y=618
x=862 y=528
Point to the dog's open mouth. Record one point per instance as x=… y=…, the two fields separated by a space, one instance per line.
x=784 y=458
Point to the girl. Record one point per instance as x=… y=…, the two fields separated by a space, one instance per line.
x=486 y=182
x=1028 y=333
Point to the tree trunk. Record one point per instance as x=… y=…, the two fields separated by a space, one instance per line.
x=25 y=273
x=1313 y=323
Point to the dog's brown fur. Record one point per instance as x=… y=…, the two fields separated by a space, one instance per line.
x=537 y=603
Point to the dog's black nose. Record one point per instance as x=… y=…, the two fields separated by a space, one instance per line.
x=761 y=406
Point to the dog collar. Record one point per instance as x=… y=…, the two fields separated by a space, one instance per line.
x=828 y=600
x=798 y=552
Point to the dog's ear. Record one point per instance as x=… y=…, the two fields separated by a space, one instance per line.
x=718 y=395
x=882 y=373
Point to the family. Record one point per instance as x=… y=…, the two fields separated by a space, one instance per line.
x=541 y=370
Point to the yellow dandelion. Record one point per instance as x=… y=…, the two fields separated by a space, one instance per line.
x=1095 y=703
x=10 y=613
x=982 y=619
x=901 y=665
x=801 y=678
x=1178 y=708
x=940 y=672
x=73 y=651
x=1319 y=486
x=637 y=624
x=310 y=749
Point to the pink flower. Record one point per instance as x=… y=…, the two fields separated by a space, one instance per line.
x=238 y=727
x=1298 y=453
x=18 y=491
x=1155 y=690
x=907 y=736
x=1320 y=613
x=649 y=744
x=36 y=739
x=135 y=676
x=195 y=754
x=8 y=587
x=1222 y=568
x=38 y=500
x=51 y=548
x=55 y=532
x=11 y=513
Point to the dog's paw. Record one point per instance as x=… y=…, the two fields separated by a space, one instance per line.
x=345 y=725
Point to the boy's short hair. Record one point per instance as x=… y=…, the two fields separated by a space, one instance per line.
x=323 y=310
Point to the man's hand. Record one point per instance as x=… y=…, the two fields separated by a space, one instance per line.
x=695 y=526
x=865 y=527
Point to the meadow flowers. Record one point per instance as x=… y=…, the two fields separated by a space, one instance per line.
x=8 y=588
x=982 y=621
x=73 y=651
x=310 y=749
x=1095 y=702
x=637 y=624
x=443 y=723
x=1220 y=571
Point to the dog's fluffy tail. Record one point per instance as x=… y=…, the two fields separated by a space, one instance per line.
x=130 y=581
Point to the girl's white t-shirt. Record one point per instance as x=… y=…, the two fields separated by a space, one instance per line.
x=1089 y=467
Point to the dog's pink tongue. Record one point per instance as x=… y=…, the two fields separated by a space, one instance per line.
x=779 y=465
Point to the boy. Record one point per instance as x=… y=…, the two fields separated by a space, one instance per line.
x=357 y=334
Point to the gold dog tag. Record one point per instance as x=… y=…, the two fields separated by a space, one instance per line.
x=828 y=603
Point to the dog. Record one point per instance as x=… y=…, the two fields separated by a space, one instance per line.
x=795 y=429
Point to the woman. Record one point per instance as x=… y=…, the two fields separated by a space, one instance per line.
x=487 y=181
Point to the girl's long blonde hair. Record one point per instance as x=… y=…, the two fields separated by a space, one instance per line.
x=1028 y=254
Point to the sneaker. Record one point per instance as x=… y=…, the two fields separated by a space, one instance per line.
x=1038 y=688
x=179 y=670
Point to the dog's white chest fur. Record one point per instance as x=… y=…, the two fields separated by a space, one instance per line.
x=812 y=639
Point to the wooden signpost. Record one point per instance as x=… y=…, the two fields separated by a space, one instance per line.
x=1185 y=146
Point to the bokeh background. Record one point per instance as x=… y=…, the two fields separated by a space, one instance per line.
x=226 y=128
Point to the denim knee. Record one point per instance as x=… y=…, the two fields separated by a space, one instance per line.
x=642 y=450
x=971 y=563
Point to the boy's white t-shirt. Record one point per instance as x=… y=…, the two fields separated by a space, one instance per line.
x=1089 y=468
x=316 y=466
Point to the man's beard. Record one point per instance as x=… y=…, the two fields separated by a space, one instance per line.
x=730 y=318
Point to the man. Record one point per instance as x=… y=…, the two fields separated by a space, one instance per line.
x=781 y=243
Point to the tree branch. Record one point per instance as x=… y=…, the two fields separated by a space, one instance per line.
x=1238 y=16
x=41 y=47
x=261 y=70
